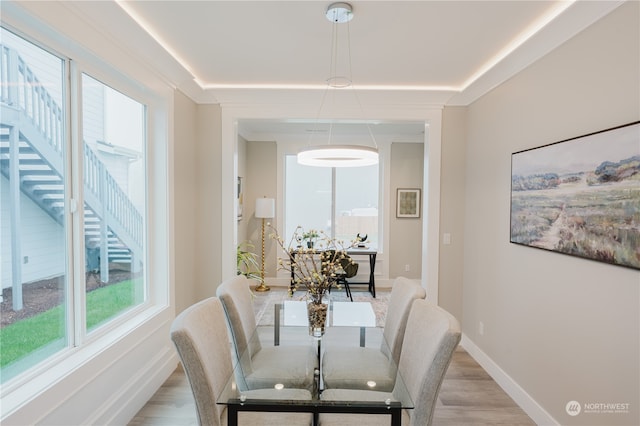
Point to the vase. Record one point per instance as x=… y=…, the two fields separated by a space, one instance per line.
x=317 y=315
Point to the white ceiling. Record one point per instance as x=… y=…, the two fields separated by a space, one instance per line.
x=402 y=52
x=421 y=43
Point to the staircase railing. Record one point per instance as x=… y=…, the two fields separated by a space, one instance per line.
x=30 y=97
x=104 y=187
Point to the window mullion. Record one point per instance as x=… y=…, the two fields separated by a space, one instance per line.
x=76 y=292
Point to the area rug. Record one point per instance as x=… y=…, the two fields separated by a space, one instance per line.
x=263 y=303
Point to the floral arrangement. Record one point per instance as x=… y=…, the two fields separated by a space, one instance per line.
x=317 y=268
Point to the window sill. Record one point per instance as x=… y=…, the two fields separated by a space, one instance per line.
x=28 y=387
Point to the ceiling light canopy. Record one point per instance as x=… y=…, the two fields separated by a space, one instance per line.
x=339 y=155
x=339 y=12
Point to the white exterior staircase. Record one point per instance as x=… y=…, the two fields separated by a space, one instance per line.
x=31 y=125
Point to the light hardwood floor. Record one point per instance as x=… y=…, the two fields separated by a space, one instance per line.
x=468 y=396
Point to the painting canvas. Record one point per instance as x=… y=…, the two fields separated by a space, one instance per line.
x=408 y=203
x=581 y=196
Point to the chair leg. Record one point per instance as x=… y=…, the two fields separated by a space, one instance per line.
x=348 y=289
x=343 y=281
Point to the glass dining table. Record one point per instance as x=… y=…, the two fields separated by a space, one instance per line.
x=347 y=325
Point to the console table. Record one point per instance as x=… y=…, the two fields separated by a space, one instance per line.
x=372 y=267
x=371 y=253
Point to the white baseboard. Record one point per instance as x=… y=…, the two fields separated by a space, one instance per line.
x=513 y=389
x=136 y=392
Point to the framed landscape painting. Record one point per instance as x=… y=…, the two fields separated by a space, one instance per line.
x=581 y=196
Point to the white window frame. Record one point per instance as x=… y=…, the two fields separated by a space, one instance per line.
x=159 y=253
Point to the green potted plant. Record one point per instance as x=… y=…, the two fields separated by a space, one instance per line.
x=310 y=237
x=247 y=261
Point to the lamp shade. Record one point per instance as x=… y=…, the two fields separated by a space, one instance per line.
x=265 y=208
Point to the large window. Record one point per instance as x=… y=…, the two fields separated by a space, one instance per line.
x=33 y=217
x=342 y=202
x=45 y=233
x=114 y=194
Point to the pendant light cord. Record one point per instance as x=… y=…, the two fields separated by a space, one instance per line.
x=334 y=81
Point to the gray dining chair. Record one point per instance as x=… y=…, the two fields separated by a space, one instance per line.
x=294 y=365
x=201 y=339
x=430 y=339
x=352 y=367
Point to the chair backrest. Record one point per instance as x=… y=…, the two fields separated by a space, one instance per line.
x=200 y=336
x=235 y=295
x=403 y=293
x=349 y=267
x=431 y=336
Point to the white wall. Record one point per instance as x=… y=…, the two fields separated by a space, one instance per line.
x=242 y=173
x=562 y=328
x=208 y=206
x=405 y=234
x=454 y=135
x=42 y=240
x=261 y=181
x=186 y=201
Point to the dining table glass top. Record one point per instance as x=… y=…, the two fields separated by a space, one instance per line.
x=348 y=324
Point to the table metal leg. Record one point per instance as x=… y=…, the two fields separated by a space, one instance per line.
x=372 y=279
x=396 y=416
x=320 y=378
x=232 y=415
x=276 y=324
x=232 y=411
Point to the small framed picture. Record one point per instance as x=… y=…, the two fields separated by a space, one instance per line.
x=408 y=202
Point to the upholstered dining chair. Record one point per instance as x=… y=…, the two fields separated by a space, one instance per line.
x=352 y=367
x=294 y=365
x=201 y=339
x=431 y=336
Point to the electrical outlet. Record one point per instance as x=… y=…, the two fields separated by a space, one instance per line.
x=446 y=238
x=481 y=328
x=25 y=260
x=407 y=268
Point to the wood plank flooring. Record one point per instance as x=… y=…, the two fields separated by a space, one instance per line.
x=468 y=396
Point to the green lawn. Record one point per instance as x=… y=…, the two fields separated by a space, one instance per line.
x=28 y=335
